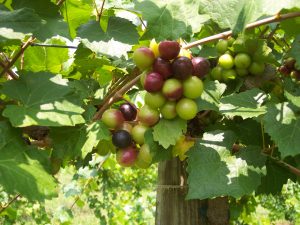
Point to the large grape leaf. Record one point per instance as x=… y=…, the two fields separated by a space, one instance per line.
x=170 y=19
x=44 y=100
x=167 y=132
x=247 y=104
x=235 y=14
x=157 y=151
x=214 y=172
x=282 y=123
x=292 y=92
x=71 y=142
x=14 y=24
x=46 y=59
x=210 y=98
x=21 y=173
x=53 y=23
x=77 y=13
x=295 y=51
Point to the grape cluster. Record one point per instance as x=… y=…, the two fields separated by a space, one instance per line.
x=172 y=79
x=233 y=64
x=127 y=138
x=288 y=69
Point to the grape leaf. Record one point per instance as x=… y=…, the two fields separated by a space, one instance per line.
x=282 y=123
x=214 y=172
x=295 y=51
x=210 y=98
x=19 y=172
x=71 y=142
x=44 y=100
x=275 y=178
x=170 y=19
x=167 y=132
x=292 y=92
x=247 y=104
x=19 y=21
x=157 y=151
x=235 y=14
x=118 y=29
x=46 y=59
x=77 y=13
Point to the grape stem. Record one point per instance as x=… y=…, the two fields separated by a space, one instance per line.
x=19 y=53
x=60 y=2
x=2 y=209
x=272 y=19
x=11 y=73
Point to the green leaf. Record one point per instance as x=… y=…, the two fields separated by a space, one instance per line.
x=46 y=59
x=167 y=132
x=292 y=92
x=77 y=13
x=282 y=123
x=19 y=172
x=19 y=21
x=247 y=104
x=118 y=29
x=170 y=19
x=214 y=172
x=210 y=98
x=44 y=100
x=295 y=50
x=71 y=142
x=275 y=178
x=235 y=14
x=157 y=151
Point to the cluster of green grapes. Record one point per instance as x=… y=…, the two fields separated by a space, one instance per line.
x=233 y=64
x=172 y=79
x=288 y=68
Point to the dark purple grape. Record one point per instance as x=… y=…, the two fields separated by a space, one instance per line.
x=121 y=139
x=182 y=67
x=163 y=67
x=201 y=66
x=168 y=49
x=128 y=111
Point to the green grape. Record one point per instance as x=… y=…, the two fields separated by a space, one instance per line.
x=186 y=108
x=226 y=61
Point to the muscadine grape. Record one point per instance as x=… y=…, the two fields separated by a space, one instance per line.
x=126 y=126
x=230 y=41
x=121 y=139
x=143 y=57
x=128 y=111
x=216 y=73
x=182 y=68
x=126 y=157
x=168 y=111
x=226 y=61
x=112 y=118
x=290 y=63
x=153 y=82
x=172 y=89
x=192 y=87
x=242 y=61
x=257 y=68
x=138 y=132
x=222 y=46
x=168 y=49
x=284 y=70
x=186 y=108
x=201 y=66
x=241 y=72
x=154 y=100
x=148 y=116
x=144 y=157
x=163 y=67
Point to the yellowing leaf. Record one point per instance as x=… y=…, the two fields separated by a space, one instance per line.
x=181 y=147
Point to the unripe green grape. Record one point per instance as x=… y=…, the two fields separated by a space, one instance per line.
x=186 y=108
x=192 y=87
x=222 y=46
x=229 y=75
x=143 y=57
x=155 y=100
x=226 y=61
x=138 y=132
x=257 y=68
x=144 y=157
x=230 y=41
x=168 y=111
x=216 y=73
x=241 y=72
x=242 y=61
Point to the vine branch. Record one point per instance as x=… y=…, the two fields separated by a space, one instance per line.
x=226 y=34
x=2 y=209
x=101 y=10
x=11 y=73
x=19 y=53
x=60 y=2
